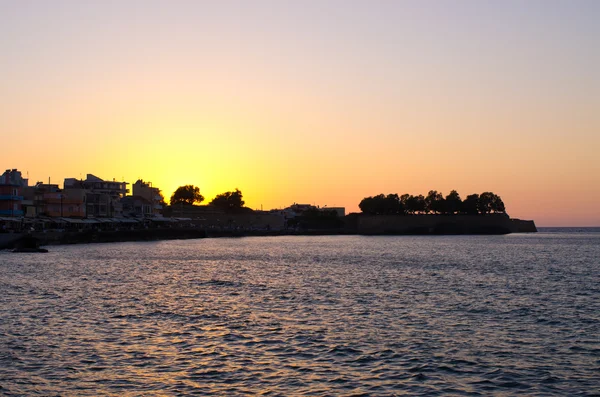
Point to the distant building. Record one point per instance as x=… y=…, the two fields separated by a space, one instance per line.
x=136 y=206
x=14 y=177
x=11 y=199
x=295 y=210
x=102 y=198
x=69 y=203
x=149 y=193
x=33 y=198
x=340 y=211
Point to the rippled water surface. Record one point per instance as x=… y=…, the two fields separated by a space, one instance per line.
x=318 y=316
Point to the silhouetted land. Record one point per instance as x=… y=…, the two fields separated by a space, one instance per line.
x=353 y=224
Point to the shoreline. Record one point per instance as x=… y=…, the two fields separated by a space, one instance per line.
x=52 y=238
x=376 y=225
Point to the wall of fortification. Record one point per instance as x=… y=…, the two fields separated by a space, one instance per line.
x=436 y=224
x=522 y=226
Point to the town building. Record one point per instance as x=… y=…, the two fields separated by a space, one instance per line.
x=102 y=198
x=295 y=210
x=11 y=199
x=149 y=193
x=33 y=198
x=14 y=177
x=136 y=206
x=69 y=203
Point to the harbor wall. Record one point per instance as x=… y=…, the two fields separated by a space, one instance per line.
x=441 y=224
x=241 y=221
x=114 y=236
x=522 y=226
x=7 y=240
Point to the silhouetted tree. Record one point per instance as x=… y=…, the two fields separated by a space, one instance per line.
x=314 y=218
x=498 y=205
x=229 y=201
x=404 y=201
x=452 y=204
x=393 y=205
x=188 y=194
x=382 y=205
x=368 y=205
x=470 y=205
x=434 y=202
x=486 y=202
x=490 y=202
x=414 y=204
x=161 y=200
x=420 y=203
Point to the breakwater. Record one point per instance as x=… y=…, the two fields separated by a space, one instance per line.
x=8 y=240
x=442 y=224
x=356 y=224
x=114 y=236
x=59 y=237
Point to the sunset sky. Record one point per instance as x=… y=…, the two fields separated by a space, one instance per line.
x=321 y=102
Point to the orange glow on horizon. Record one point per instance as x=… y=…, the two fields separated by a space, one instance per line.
x=326 y=112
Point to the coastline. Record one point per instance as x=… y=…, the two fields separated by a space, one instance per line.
x=367 y=226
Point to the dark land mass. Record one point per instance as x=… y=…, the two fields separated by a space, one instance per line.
x=353 y=224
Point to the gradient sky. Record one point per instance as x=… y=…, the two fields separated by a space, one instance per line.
x=321 y=102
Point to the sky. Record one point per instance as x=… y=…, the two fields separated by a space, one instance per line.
x=320 y=102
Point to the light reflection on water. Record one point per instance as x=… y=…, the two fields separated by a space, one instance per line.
x=338 y=315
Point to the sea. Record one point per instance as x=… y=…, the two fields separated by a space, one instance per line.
x=510 y=315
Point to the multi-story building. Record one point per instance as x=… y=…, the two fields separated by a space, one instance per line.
x=11 y=200
x=149 y=193
x=136 y=206
x=13 y=177
x=102 y=198
x=69 y=203
x=33 y=198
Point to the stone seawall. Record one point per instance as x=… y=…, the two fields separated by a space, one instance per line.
x=522 y=226
x=114 y=236
x=442 y=224
x=355 y=224
x=7 y=240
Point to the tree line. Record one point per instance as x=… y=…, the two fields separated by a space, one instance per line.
x=433 y=203
x=190 y=195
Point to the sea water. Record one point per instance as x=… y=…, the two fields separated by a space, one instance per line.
x=320 y=316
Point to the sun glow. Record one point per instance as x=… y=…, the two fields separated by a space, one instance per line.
x=406 y=101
